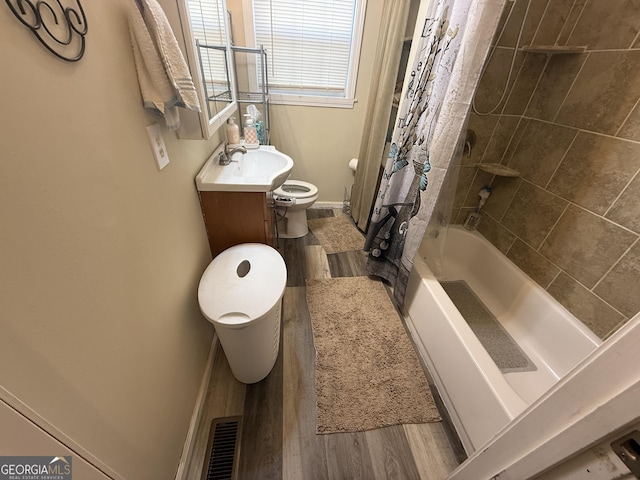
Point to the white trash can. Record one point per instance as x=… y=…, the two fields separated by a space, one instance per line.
x=241 y=292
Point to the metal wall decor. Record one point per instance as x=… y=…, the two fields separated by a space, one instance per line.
x=60 y=29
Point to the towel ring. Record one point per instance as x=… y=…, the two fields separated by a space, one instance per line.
x=60 y=29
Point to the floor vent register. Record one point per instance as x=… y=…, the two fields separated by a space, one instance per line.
x=223 y=449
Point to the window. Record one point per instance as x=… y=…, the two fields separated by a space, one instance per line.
x=208 y=29
x=312 y=47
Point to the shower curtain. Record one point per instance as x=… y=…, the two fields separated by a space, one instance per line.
x=383 y=82
x=454 y=44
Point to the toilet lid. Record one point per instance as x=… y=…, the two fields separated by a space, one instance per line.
x=296 y=189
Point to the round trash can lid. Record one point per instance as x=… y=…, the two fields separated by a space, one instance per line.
x=242 y=283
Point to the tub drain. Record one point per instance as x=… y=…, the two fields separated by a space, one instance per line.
x=223 y=449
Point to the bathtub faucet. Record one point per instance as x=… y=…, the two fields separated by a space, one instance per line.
x=225 y=155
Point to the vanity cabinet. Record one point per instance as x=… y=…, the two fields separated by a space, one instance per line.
x=232 y=218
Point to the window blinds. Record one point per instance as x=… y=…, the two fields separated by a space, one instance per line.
x=308 y=43
x=207 y=25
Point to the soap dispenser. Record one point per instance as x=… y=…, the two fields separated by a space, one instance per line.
x=233 y=132
x=250 y=132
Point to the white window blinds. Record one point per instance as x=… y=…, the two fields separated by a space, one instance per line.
x=208 y=27
x=309 y=44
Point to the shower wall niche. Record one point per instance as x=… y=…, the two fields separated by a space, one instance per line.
x=570 y=123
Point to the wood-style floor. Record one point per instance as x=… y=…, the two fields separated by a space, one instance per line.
x=279 y=440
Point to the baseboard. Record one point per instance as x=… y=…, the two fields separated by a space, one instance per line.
x=327 y=205
x=196 y=417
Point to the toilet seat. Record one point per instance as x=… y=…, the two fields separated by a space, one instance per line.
x=293 y=198
x=296 y=189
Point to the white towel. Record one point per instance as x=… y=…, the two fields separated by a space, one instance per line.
x=163 y=75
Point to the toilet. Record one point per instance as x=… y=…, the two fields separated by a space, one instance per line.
x=293 y=198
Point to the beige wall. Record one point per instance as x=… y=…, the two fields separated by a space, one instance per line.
x=100 y=253
x=569 y=124
x=322 y=140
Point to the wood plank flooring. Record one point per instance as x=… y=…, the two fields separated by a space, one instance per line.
x=279 y=440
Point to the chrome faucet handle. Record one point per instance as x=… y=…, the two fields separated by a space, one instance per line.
x=223 y=158
x=225 y=155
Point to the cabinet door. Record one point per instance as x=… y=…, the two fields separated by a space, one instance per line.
x=232 y=218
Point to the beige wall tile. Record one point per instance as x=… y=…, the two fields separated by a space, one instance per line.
x=503 y=20
x=541 y=270
x=532 y=213
x=554 y=84
x=572 y=18
x=503 y=189
x=494 y=80
x=585 y=246
x=527 y=79
x=626 y=210
x=466 y=174
x=515 y=140
x=483 y=127
x=501 y=139
x=595 y=170
x=604 y=93
x=540 y=151
x=510 y=34
x=500 y=237
x=587 y=307
x=596 y=92
x=552 y=22
x=631 y=127
x=626 y=272
x=456 y=215
x=606 y=24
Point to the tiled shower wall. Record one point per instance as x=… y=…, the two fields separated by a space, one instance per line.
x=570 y=124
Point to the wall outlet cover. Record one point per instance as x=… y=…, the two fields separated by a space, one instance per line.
x=157 y=145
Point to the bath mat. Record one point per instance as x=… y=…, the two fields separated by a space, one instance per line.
x=367 y=372
x=502 y=348
x=336 y=234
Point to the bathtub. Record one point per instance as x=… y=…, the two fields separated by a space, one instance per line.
x=479 y=397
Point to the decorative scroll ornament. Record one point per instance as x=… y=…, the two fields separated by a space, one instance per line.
x=60 y=29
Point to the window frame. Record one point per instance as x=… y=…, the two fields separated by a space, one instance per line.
x=318 y=100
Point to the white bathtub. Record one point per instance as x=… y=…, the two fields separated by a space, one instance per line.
x=478 y=396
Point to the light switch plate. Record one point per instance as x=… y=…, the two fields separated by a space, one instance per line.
x=157 y=145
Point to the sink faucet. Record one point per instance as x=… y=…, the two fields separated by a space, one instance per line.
x=225 y=155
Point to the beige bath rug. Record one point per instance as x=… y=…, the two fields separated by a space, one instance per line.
x=336 y=234
x=367 y=372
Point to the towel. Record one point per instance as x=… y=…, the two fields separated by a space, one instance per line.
x=163 y=74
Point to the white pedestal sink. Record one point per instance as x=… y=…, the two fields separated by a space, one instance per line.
x=259 y=170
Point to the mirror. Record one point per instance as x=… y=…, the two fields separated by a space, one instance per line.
x=206 y=31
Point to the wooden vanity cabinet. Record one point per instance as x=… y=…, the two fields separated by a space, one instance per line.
x=232 y=218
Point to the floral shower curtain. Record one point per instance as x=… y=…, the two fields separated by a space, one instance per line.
x=454 y=44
